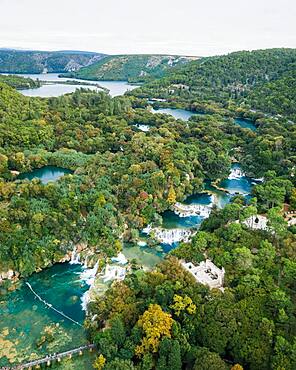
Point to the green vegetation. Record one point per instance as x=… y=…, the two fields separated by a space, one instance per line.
x=124 y=179
x=164 y=319
x=261 y=79
x=19 y=82
x=132 y=68
x=19 y=61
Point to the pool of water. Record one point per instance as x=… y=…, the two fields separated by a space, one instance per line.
x=176 y=113
x=24 y=318
x=241 y=185
x=245 y=123
x=45 y=174
x=173 y=221
x=146 y=256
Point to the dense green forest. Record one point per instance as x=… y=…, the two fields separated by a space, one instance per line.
x=124 y=178
x=26 y=61
x=19 y=82
x=261 y=79
x=132 y=68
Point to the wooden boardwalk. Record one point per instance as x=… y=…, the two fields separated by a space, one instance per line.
x=50 y=358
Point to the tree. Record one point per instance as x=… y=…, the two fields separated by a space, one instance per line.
x=99 y=362
x=172 y=195
x=207 y=360
x=183 y=304
x=156 y=324
x=276 y=223
x=119 y=364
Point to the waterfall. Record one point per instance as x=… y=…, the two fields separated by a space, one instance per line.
x=236 y=173
x=75 y=257
x=84 y=300
x=89 y=275
x=114 y=273
x=121 y=259
x=171 y=236
x=188 y=210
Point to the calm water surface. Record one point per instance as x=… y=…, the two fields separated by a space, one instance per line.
x=116 y=88
x=24 y=318
x=176 y=113
x=45 y=174
x=245 y=123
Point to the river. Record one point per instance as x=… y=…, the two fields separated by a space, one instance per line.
x=184 y=115
x=115 y=88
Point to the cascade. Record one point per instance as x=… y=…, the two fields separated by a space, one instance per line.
x=235 y=174
x=75 y=257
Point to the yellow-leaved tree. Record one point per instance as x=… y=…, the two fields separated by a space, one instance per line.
x=156 y=324
x=183 y=304
x=99 y=362
x=172 y=195
x=237 y=367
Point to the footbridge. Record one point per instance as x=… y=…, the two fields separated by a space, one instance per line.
x=48 y=359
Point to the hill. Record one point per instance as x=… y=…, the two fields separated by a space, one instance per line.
x=134 y=68
x=26 y=61
x=240 y=77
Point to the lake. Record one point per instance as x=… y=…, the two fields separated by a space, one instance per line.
x=184 y=115
x=115 y=88
x=45 y=174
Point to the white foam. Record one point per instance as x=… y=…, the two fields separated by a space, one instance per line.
x=121 y=259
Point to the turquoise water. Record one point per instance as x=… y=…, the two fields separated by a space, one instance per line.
x=45 y=174
x=245 y=123
x=240 y=186
x=173 y=221
x=146 y=256
x=176 y=113
x=24 y=317
x=115 y=88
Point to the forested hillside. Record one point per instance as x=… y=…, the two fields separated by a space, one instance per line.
x=132 y=68
x=124 y=179
x=19 y=82
x=261 y=79
x=23 y=61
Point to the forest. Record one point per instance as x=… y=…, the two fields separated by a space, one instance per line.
x=261 y=80
x=123 y=179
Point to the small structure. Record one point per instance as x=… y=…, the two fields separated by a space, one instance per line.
x=256 y=222
x=206 y=273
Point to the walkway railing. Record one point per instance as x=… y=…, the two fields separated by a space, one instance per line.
x=49 y=358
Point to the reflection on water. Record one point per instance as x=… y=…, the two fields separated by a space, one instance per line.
x=45 y=174
x=176 y=113
x=115 y=88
